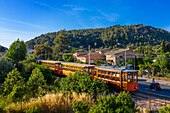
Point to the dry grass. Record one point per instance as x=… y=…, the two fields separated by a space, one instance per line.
x=51 y=103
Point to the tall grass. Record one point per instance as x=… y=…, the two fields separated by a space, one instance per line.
x=51 y=103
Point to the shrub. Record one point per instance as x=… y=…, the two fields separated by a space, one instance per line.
x=125 y=102
x=5 y=67
x=32 y=110
x=80 y=107
x=46 y=71
x=82 y=82
x=164 y=109
x=111 y=104
x=105 y=105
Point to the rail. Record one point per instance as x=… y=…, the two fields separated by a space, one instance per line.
x=152 y=98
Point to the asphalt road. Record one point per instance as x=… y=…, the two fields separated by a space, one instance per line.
x=144 y=86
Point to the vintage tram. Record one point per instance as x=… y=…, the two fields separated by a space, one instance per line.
x=118 y=78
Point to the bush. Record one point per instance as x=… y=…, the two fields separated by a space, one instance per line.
x=46 y=71
x=32 y=110
x=111 y=104
x=5 y=67
x=82 y=82
x=80 y=107
x=125 y=102
x=105 y=105
x=164 y=109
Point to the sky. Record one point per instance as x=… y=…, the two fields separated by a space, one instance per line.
x=27 y=19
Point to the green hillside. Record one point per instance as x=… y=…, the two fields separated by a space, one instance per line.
x=3 y=49
x=108 y=37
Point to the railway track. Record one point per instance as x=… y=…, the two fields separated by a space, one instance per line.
x=151 y=98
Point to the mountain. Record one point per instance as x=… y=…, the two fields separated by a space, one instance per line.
x=3 y=49
x=108 y=37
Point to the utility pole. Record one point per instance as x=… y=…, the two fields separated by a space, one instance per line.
x=89 y=54
x=125 y=57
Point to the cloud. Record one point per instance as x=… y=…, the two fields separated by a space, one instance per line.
x=16 y=31
x=110 y=17
x=76 y=8
x=10 y=35
x=21 y=22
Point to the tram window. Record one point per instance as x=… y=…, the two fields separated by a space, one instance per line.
x=102 y=76
x=90 y=70
x=125 y=78
x=117 y=78
x=105 y=72
x=102 y=72
x=85 y=70
x=98 y=71
x=117 y=74
x=129 y=78
x=110 y=77
x=134 y=77
x=109 y=73
x=99 y=75
x=113 y=73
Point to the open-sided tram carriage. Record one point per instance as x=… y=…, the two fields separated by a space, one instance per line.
x=118 y=78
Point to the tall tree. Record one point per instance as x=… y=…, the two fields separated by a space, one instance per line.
x=163 y=47
x=14 y=78
x=17 y=51
x=42 y=51
x=36 y=80
x=61 y=43
x=5 y=67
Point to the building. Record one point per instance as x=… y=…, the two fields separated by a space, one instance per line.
x=102 y=51
x=84 y=57
x=119 y=55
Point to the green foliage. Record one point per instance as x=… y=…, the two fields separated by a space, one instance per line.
x=42 y=51
x=5 y=67
x=61 y=43
x=32 y=110
x=46 y=71
x=164 y=109
x=35 y=81
x=17 y=51
x=105 y=105
x=17 y=93
x=80 y=107
x=163 y=63
x=82 y=82
x=106 y=37
x=125 y=103
x=68 y=57
x=3 y=49
x=14 y=78
x=163 y=47
x=111 y=104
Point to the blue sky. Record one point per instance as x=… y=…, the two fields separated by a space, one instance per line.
x=26 y=19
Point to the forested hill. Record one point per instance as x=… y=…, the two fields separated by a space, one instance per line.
x=3 y=49
x=108 y=37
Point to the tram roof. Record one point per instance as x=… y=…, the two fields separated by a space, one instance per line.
x=50 y=61
x=83 y=65
x=116 y=69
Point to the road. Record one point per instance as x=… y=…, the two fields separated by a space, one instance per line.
x=144 y=86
